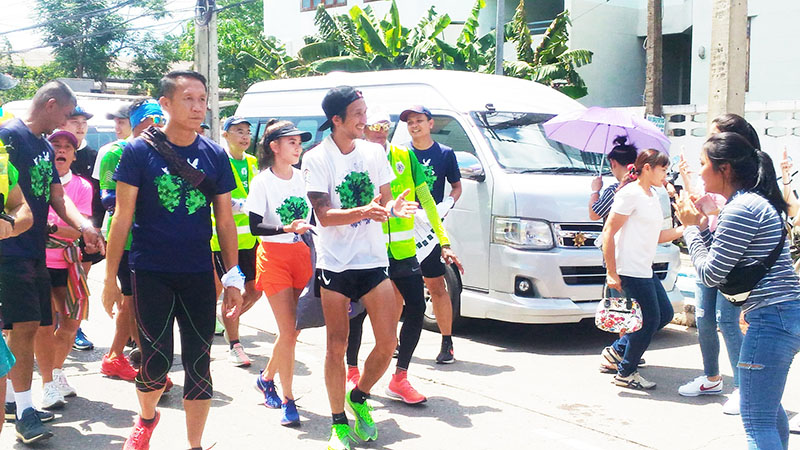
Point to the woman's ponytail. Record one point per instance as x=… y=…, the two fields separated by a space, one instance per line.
x=767 y=182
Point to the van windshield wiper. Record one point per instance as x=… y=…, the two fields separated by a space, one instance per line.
x=555 y=170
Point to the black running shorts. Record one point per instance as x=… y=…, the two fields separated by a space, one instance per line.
x=247 y=262
x=24 y=291
x=354 y=283
x=432 y=266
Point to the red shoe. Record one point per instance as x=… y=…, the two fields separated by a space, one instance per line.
x=353 y=375
x=118 y=367
x=168 y=386
x=140 y=436
x=400 y=389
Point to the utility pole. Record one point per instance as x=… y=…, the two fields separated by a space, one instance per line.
x=500 y=40
x=206 y=60
x=654 y=77
x=728 y=58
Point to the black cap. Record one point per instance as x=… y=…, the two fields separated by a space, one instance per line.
x=336 y=101
x=122 y=113
x=419 y=109
x=288 y=130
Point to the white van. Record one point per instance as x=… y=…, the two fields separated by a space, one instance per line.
x=521 y=226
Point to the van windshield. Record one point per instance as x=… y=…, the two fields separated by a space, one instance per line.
x=520 y=145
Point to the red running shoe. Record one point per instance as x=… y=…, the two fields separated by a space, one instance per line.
x=118 y=367
x=169 y=385
x=140 y=436
x=400 y=389
x=353 y=375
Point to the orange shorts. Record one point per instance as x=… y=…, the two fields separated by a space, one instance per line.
x=280 y=266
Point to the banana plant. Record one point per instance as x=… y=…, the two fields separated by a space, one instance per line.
x=551 y=62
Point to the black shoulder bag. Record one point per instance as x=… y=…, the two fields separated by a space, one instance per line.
x=742 y=280
x=177 y=165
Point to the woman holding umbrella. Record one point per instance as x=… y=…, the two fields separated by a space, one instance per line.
x=619 y=158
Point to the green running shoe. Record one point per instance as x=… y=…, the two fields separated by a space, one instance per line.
x=364 y=427
x=341 y=435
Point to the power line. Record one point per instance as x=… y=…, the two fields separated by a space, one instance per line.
x=99 y=33
x=73 y=16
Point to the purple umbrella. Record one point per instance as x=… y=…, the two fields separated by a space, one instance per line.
x=594 y=130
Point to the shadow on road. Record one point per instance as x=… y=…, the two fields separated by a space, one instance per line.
x=669 y=379
x=443 y=409
x=470 y=367
x=581 y=338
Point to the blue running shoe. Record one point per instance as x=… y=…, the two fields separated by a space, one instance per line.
x=271 y=398
x=290 y=417
x=81 y=343
x=30 y=428
x=11 y=414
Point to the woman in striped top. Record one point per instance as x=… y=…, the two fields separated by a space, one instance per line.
x=618 y=158
x=748 y=229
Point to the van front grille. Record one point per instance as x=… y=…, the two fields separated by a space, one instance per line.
x=577 y=235
x=586 y=275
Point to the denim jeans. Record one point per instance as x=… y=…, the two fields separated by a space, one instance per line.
x=657 y=312
x=712 y=310
x=768 y=349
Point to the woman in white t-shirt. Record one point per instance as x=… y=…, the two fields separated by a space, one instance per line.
x=630 y=238
x=279 y=214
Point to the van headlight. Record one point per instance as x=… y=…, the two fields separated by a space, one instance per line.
x=522 y=233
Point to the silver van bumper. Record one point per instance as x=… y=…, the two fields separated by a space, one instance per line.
x=567 y=285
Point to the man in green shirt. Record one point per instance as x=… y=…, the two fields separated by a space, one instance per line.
x=143 y=114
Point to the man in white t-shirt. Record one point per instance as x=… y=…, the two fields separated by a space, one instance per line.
x=347 y=180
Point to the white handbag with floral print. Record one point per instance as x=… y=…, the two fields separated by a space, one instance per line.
x=618 y=314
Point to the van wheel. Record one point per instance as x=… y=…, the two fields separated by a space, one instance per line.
x=453 y=283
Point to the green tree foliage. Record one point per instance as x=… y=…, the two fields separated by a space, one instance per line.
x=153 y=57
x=358 y=42
x=551 y=62
x=88 y=35
x=245 y=53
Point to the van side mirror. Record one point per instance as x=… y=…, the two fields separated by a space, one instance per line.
x=470 y=167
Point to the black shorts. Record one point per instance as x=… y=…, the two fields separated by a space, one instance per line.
x=403 y=268
x=58 y=277
x=432 y=266
x=24 y=291
x=247 y=262
x=124 y=275
x=354 y=283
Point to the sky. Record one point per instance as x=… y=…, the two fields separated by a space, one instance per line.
x=21 y=13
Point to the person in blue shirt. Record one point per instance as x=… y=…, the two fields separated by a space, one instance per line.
x=440 y=165
x=750 y=226
x=170 y=255
x=24 y=280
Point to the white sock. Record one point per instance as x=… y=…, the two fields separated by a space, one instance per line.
x=56 y=374
x=24 y=401
x=9 y=391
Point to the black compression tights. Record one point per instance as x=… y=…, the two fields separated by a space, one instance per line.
x=160 y=299
x=411 y=288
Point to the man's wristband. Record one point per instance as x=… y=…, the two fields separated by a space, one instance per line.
x=234 y=278
x=596 y=192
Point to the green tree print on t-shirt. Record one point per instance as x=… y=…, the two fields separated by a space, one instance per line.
x=172 y=188
x=430 y=175
x=41 y=177
x=355 y=190
x=292 y=208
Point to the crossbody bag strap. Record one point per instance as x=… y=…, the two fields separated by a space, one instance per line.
x=178 y=165
x=773 y=255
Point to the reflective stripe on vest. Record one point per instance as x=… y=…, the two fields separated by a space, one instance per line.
x=401 y=231
x=242 y=220
x=3 y=173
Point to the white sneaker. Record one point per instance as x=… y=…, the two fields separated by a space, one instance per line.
x=633 y=381
x=51 y=398
x=794 y=424
x=732 y=405
x=238 y=357
x=701 y=386
x=64 y=388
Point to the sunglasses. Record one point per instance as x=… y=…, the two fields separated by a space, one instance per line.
x=157 y=120
x=381 y=126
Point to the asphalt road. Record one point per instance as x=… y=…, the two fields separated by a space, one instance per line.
x=513 y=386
